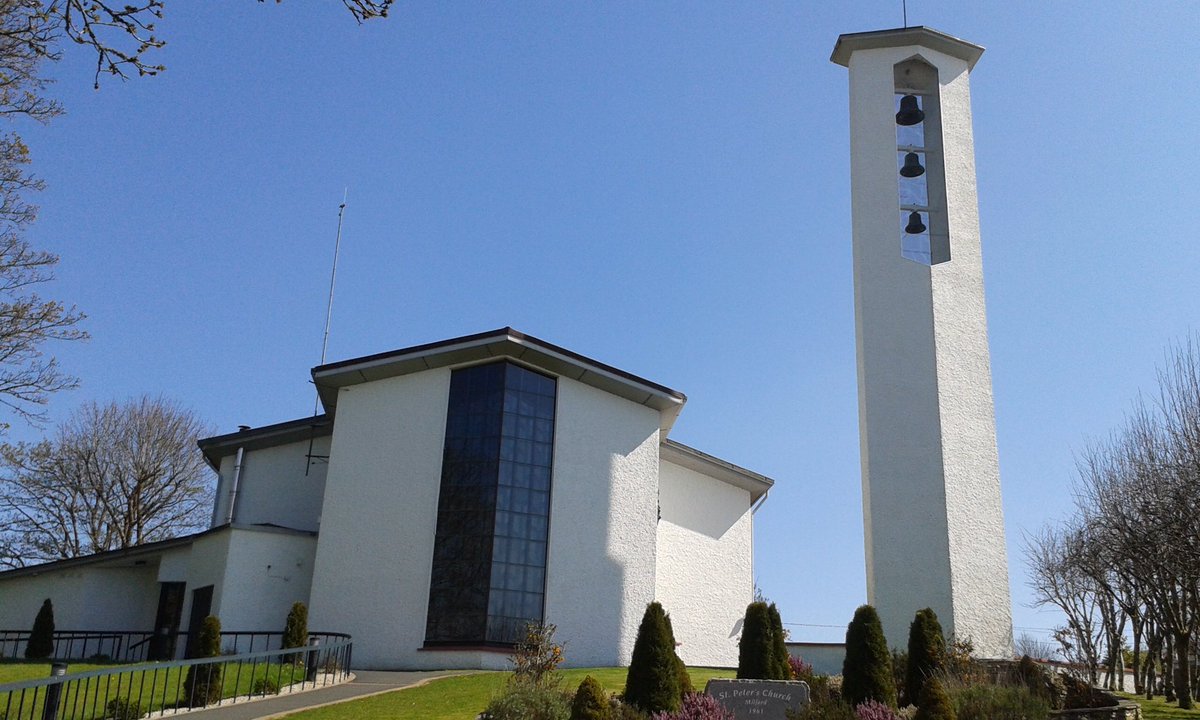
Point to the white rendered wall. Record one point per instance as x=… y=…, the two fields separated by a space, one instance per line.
x=372 y=570
x=371 y=577
x=206 y=566
x=273 y=487
x=705 y=575
x=266 y=572
x=84 y=598
x=603 y=512
x=931 y=485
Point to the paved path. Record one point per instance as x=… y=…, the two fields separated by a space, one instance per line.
x=366 y=683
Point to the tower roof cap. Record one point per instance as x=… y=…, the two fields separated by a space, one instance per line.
x=899 y=37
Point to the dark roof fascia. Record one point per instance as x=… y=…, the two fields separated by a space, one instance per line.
x=754 y=483
x=217 y=447
x=146 y=549
x=496 y=344
x=918 y=35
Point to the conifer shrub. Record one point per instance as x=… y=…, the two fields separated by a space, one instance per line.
x=295 y=630
x=122 y=708
x=264 y=686
x=754 y=648
x=934 y=703
x=899 y=672
x=867 y=669
x=926 y=652
x=685 y=680
x=591 y=702
x=202 y=686
x=781 y=669
x=652 y=684
x=41 y=638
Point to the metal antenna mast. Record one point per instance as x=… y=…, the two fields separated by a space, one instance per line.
x=337 y=246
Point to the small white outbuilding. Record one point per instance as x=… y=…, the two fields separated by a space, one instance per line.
x=450 y=493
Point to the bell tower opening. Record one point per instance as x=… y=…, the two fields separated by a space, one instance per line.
x=924 y=231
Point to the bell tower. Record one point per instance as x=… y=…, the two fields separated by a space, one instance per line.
x=931 y=479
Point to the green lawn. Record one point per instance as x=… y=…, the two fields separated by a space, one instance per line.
x=155 y=688
x=12 y=671
x=1159 y=709
x=464 y=697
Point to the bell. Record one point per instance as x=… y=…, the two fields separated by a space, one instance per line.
x=912 y=166
x=914 y=226
x=909 y=113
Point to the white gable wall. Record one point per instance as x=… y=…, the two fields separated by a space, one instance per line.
x=705 y=576
x=603 y=509
x=273 y=488
x=372 y=570
x=371 y=577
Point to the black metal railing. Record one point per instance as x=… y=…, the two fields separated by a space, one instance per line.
x=163 y=688
x=126 y=646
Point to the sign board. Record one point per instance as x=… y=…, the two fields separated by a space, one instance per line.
x=759 y=699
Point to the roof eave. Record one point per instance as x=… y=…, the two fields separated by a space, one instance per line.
x=919 y=35
x=494 y=345
x=689 y=457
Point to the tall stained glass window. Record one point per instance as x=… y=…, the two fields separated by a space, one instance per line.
x=489 y=558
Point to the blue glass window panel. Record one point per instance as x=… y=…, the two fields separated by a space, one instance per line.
x=489 y=557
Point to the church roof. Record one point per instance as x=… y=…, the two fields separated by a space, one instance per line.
x=493 y=345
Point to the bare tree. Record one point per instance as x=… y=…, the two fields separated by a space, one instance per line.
x=121 y=35
x=1057 y=579
x=1035 y=647
x=114 y=476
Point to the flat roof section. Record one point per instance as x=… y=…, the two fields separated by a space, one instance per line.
x=898 y=37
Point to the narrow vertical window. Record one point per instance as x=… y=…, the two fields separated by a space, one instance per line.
x=489 y=560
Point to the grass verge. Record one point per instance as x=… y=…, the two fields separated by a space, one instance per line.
x=1160 y=709
x=464 y=697
x=153 y=689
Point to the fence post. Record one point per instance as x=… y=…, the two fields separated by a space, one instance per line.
x=310 y=662
x=54 y=692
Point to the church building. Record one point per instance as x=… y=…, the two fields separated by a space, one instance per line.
x=449 y=494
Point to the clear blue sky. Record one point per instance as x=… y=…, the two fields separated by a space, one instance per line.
x=661 y=186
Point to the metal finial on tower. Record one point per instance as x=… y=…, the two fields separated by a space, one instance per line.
x=904 y=8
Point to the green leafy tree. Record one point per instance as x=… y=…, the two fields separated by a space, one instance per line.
x=781 y=669
x=755 y=658
x=295 y=630
x=202 y=686
x=652 y=684
x=867 y=669
x=926 y=652
x=591 y=702
x=41 y=638
x=934 y=703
